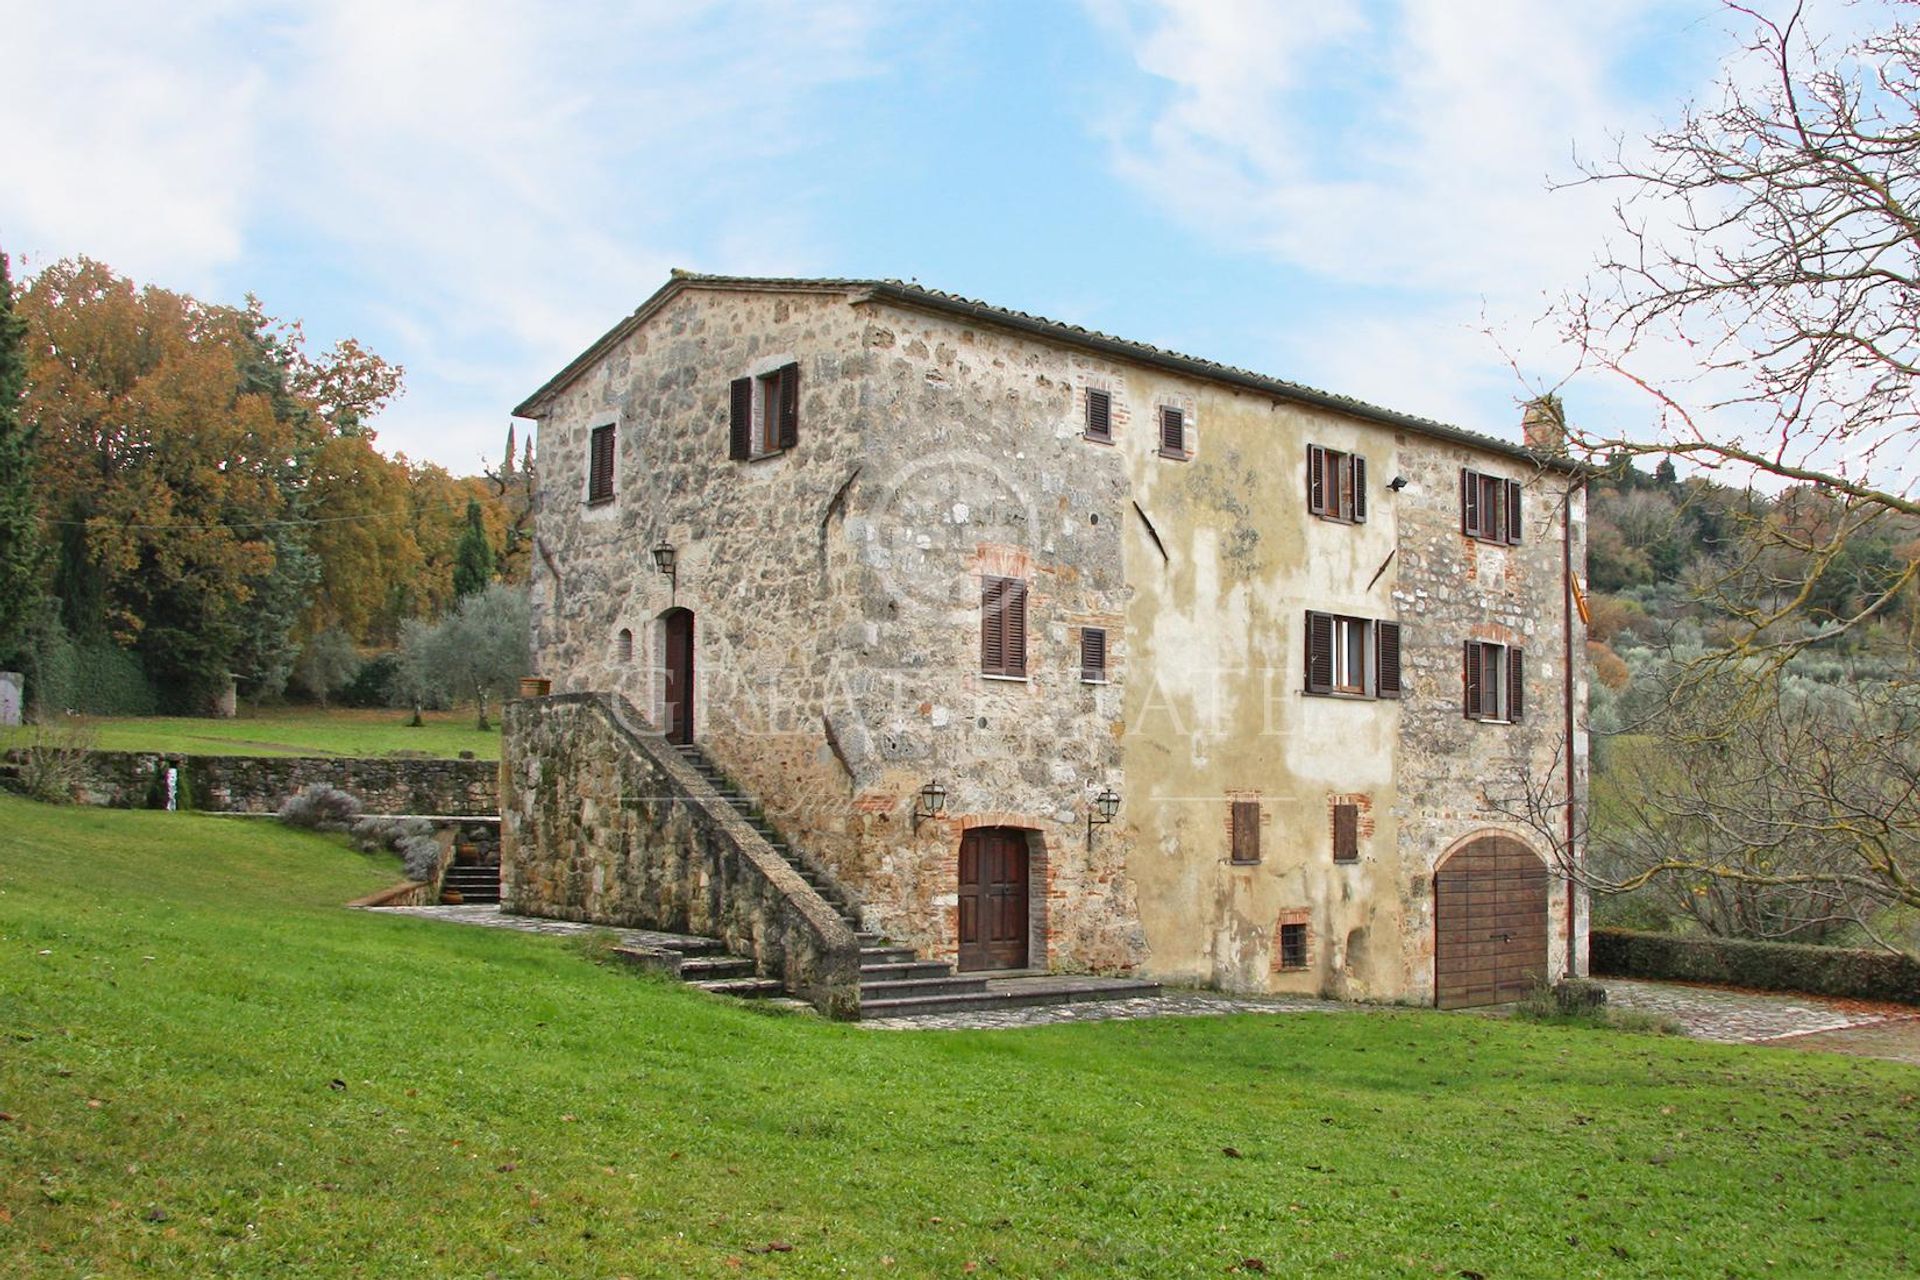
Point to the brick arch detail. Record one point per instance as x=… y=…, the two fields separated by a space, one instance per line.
x=1485 y=833
x=1043 y=898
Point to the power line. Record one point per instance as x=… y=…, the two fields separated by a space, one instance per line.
x=365 y=516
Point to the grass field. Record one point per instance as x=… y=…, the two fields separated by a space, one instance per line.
x=289 y=731
x=208 y=1067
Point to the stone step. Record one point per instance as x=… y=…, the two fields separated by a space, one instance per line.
x=990 y=999
x=886 y=954
x=889 y=971
x=912 y=988
x=743 y=988
x=695 y=968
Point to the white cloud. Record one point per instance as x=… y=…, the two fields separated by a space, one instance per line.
x=487 y=185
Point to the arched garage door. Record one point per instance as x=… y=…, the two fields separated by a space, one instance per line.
x=1490 y=923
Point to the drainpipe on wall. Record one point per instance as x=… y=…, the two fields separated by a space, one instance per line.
x=1573 y=789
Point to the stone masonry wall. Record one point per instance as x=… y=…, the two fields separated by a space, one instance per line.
x=259 y=784
x=602 y=823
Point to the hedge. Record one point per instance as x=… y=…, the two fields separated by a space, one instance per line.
x=1769 y=966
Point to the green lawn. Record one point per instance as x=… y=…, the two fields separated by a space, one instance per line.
x=289 y=731
x=208 y=1067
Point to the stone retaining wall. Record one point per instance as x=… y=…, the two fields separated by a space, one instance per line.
x=606 y=824
x=258 y=784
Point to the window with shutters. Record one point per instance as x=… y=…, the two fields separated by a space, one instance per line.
x=1494 y=677
x=1489 y=508
x=1093 y=655
x=1173 y=433
x=1003 y=627
x=1346 y=833
x=764 y=414
x=1352 y=657
x=1336 y=485
x=1245 y=819
x=1099 y=415
x=600 y=450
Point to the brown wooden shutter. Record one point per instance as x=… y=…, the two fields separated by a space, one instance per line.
x=1346 y=833
x=993 y=645
x=1173 y=432
x=740 y=426
x=1093 y=654
x=1386 y=639
x=1316 y=480
x=1515 y=682
x=1246 y=831
x=1513 y=512
x=789 y=424
x=1099 y=415
x=1472 y=680
x=600 y=464
x=1319 y=652
x=1014 y=612
x=1469 y=503
x=1359 y=489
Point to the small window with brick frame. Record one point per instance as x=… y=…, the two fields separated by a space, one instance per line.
x=1003 y=627
x=1293 y=946
x=1093 y=655
x=1346 y=832
x=1099 y=415
x=1173 y=433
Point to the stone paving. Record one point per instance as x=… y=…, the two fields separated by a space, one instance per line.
x=1706 y=1013
x=1169 y=1004
x=492 y=917
x=1746 y=1017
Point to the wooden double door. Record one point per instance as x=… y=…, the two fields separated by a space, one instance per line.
x=1490 y=923
x=993 y=899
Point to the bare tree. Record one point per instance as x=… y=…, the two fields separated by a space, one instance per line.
x=1771 y=240
x=1757 y=807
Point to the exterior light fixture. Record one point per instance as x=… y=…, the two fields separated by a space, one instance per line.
x=1397 y=483
x=931 y=803
x=1101 y=811
x=663 y=563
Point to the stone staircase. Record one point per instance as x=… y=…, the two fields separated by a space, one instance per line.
x=894 y=981
x=476 y=882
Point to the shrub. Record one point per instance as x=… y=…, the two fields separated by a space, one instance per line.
x=372 y=684
x=54 y=762
x=327 y=664
x=412 y=838
x=1580 y=1001
x=420 y=856
x=320 y=807
x=1769 y=966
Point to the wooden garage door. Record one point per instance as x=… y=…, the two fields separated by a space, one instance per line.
x=1490 y=921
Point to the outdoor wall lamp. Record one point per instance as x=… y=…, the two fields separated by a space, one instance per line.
x=1397 y=483
x=663 y=563
x=931 y=803
x=1101 y=811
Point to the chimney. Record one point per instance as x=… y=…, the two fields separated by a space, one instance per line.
x=1543 y=426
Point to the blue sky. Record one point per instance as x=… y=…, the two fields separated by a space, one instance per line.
x=1348 y=193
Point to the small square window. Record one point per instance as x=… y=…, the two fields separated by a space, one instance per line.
x=1293 y=946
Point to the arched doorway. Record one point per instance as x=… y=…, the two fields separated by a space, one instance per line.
x=993 y=899
x=1490 y=923
x=676 y=703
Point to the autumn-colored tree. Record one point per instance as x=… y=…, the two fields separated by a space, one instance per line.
x=21 y=551
x=362 y=532
x=176 y=441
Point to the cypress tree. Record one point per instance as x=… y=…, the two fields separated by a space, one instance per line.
x=473 y=558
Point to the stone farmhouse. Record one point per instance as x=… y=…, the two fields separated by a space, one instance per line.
x=1040 y=650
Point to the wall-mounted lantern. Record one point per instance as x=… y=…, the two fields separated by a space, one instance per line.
x=1397 y=483
x=663 y=558
x=1101 y=811
x=931 y=803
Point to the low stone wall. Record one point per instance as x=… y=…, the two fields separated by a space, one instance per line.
x=258 y=784
x=604 y=824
